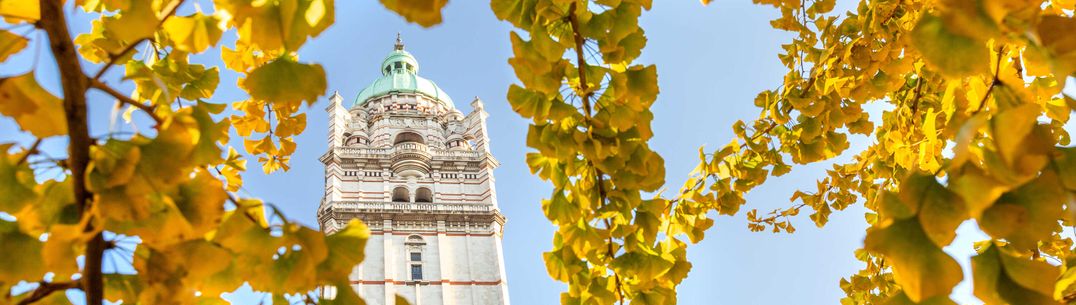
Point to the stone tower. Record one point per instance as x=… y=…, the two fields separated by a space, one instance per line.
x=419 y=173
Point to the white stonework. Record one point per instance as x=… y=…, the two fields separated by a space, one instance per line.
x=419 y=173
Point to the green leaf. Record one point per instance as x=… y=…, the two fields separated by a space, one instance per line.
x=16 y=183
x=21 y=256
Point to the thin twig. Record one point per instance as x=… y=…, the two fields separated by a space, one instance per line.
x=96 y=84
x=32 y=150
x=114 y=58
x=995 y=82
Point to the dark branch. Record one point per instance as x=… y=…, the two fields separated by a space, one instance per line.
x=46 y=289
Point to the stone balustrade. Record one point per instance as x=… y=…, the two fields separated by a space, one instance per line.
x=436 y=154
x=412 y=207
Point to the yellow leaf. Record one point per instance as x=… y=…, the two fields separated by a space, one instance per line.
x=920 y=267
x=20 y=10
x=285 y=81
x=272 y=25
x=35 y=109
x=10 y=43
x=1011 y=127
x=938 y=43
x=194 y=33
x=426 y=13
x=400 y=300
x=1055 y=33
x=133 y=24
x=1002 y=278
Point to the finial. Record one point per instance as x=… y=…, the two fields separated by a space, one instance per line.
x=399 y=42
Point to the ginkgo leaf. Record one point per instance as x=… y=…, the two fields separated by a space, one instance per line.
x=1053 y=32
x=10 y=43
x=1028 y=214
x=16 y=183
x=15 y=11
x=138 y=21
x=902 y=299
x=21 y=256
x=426 y=13
x=35 y=109
x=194 y=33
x=937 y=42
x=124 y=287
x=345 y=250
x=201 y=201
x=272 y=25
x=285 y=81
x=1001 y=278
x=920 y=267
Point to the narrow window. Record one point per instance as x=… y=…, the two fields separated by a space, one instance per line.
x=416 y=257
x=416 y=272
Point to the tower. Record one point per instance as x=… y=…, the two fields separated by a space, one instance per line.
x=419 y=173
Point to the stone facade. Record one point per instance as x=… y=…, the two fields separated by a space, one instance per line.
x=419 y=173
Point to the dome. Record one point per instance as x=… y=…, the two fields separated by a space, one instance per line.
x=399 y=74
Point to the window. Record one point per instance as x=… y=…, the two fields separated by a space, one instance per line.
x=416 y=256
x=408 y=137
x=416 y=272
x=400 y=194
x=423 y=195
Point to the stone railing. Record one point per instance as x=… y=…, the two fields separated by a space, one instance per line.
x=411 y=207
x=364 y=152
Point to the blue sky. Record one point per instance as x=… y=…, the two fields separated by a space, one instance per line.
x=712 y=61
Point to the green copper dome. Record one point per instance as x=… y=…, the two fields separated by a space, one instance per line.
x=399 y=74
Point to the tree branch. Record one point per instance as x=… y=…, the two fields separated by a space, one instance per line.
x=581 y=65
x=96 y=84
x=116 y=57
x=46 y=289
x=74 y=84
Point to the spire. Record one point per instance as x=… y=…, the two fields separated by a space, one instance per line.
x=399 y=42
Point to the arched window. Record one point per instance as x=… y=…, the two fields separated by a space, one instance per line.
x=415 y=246
x=400 y=194
x=423 y=195
x=408 y=137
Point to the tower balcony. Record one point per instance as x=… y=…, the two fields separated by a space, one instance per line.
x=411 y=157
